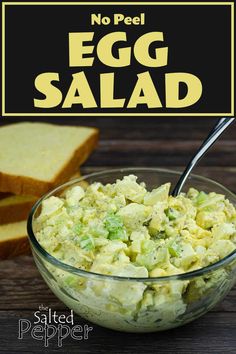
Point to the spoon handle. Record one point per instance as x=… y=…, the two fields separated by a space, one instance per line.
x=219 y=122
x=218 y=129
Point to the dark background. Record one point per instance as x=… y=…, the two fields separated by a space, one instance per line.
x=198 y=40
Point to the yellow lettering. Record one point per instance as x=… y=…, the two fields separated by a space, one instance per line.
x=107 y=92
x=194 y=91
x=95 y=19
x=104 y=50
x=43 y=83
x=141 y=50
x=118 y=18
x=150 y=97
x=85 y=98
x=77 y=49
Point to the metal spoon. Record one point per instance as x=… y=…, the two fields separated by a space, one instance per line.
x=220 y=121
x=218 y=129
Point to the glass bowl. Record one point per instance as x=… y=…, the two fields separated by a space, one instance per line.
x=136 y=304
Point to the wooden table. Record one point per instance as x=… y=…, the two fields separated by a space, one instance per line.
x=166 y=142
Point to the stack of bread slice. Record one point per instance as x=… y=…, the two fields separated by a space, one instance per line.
x=34 y=158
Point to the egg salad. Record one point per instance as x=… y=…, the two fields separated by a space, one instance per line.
x=123 y=229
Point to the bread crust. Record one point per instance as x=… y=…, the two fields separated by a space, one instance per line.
x=23 y=185
x=16 y=212
x=14 y=247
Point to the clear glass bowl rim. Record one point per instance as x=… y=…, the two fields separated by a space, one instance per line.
x=68 y=268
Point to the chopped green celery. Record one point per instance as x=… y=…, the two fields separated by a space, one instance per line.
x=171 y=213
x=115 y=227
x=174 y=249
x=201 y=198
x=87 y=243
x=113 y=222
x=119 y=234
x=77 y=228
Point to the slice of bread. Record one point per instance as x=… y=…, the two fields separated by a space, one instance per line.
x=15 y=208
x=34 y=157
x=13 y=240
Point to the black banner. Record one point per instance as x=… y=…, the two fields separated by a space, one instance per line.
x=117 y=59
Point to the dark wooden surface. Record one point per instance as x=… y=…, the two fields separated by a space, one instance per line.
x=165 y=142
